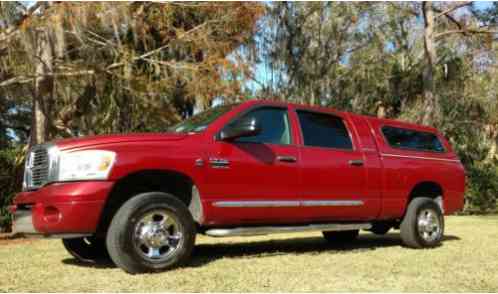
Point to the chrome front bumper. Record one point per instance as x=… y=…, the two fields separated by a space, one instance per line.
x=23 y=225
x=23 y=222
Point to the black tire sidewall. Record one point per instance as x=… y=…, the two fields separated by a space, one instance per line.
x=84 y=252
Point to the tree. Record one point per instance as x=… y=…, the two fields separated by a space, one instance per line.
x=97 y=67
x=468 y=28
x=305 y=46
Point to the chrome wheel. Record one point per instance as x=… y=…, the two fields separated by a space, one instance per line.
x=157 y=235
x=429 y=225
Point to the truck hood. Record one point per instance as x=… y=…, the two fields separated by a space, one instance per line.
x=72 y=143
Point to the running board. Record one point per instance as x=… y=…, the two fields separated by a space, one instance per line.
x=255 y=231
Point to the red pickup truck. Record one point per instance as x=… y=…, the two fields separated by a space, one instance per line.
x=253 y=168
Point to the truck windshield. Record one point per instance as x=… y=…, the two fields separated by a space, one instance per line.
x=201 y=121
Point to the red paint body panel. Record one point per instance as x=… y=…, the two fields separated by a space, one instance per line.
x=66 y=207
x=66 y=144
x=403 y=169
x=383 y=184
x=254 y=174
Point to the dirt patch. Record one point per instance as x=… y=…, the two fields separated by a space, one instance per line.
x=11 y=239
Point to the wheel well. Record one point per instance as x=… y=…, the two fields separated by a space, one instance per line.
x=428 y=189
x=171 y=182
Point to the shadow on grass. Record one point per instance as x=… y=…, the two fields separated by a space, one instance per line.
x=205 y=253
x=99 y=264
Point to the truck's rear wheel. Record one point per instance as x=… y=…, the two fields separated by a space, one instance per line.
x=88 y=249
x=151 y=232
x=340 y=236
x=423 y=224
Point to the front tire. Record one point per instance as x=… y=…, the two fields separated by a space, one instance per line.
x=87 y=249
x=151 y=232
x=423 y=224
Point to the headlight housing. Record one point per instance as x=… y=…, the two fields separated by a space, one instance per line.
x=85 y=165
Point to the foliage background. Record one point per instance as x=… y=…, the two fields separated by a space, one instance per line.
x=74 y=69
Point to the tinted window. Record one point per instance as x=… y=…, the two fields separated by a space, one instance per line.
x=411 y=139
x=324 y=130
x=274 y=124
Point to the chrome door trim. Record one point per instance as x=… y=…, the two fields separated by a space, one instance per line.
x=419 y=157
x=287 y=203
x=256 y=203
x=331 y=203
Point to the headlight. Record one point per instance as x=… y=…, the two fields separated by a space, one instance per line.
x=85 y=165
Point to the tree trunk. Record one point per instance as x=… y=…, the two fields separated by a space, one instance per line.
x=42 y=99
x=381 y=110
x=491 y=156
x=38 y=122
x=199 y=106
x=431 y=103
x=492 y=131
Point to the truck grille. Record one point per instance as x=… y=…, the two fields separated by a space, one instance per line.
x=38 y=167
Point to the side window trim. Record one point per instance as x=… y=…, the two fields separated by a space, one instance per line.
x=382 y=126
x=345 y=121
x=257 y=107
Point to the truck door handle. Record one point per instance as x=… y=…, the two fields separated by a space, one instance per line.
x=356 y=162
x=286 y=158
x=219 y=162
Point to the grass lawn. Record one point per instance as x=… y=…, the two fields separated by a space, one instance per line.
x=466 y=262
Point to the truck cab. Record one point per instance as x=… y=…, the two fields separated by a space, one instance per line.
x=257 y=167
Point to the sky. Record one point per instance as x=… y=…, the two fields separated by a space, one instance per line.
x=483 y=4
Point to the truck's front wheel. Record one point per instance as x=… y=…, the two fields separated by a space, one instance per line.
x=423 y=224
x=151 y=232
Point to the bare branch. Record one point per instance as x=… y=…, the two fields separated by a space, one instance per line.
x=157 y=50
x=173 y=64
x=15 y=80
x=195 y=5
x=464 y=31
x=451 y=9
x=30 y=78
x=451 y=19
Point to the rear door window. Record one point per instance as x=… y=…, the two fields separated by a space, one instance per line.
x=412 y=139
x=324 y=130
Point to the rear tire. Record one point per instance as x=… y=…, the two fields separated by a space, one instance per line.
x=151 y=232
x=340 y=236
x=88 y=249
x=423 y=224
